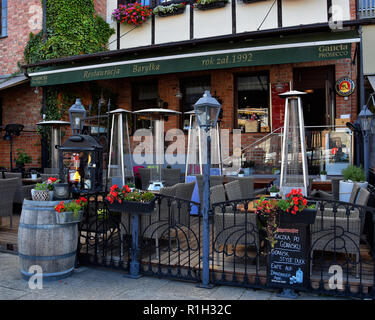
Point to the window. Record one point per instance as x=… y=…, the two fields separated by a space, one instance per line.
x=253 y=103
x=144 y=96
x=192 y=89
x=143 y=2
x=3 y=18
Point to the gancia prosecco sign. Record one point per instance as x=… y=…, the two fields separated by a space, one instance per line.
x=190 y=62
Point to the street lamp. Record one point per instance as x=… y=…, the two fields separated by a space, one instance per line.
x=207 y=110
x=77 y=114
x=367 y=120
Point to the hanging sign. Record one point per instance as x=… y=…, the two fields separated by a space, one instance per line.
x=345 y=87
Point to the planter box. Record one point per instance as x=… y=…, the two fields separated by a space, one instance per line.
x=307 y=216
x=132 y=207
x=68 y=217
x=213 y=5
x=175 y=12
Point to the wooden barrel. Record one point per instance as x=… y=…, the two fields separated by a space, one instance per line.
x=44 y=243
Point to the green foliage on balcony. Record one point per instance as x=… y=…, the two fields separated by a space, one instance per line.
x=72 y=28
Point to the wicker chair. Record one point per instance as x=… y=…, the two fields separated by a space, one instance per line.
x=233 y=190
x=8 y=189
x=340 y=232
x=22 y=191
x=170 y=176
x=334 y=195
x=247 y=186
x=145 y=174
x=214 y=181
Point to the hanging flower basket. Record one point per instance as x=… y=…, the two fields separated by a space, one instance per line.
x=171 y=10
x=210 y=4
x=132 y=14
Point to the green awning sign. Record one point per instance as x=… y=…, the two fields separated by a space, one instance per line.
x=244 y=57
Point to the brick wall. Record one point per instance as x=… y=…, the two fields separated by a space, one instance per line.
x=21 y=105
x=101 y=8
x=24 y=16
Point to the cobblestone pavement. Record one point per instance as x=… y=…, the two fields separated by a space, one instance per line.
x=99 y=284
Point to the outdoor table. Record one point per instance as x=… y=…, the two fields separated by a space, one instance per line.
x=322 y=185
x=31 y=181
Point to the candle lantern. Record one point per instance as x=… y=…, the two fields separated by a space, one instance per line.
x=81 y=164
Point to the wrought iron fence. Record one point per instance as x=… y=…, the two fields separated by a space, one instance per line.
x=339 y=253
x=169 y=242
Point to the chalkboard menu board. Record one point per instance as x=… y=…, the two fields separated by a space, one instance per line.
x=287 y=261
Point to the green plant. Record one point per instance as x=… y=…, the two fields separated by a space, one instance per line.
x=354 y=173
x=323 y=172
x=125 y=194
x=203 y=2
x=241 y=172
x=47 y=185
x=22 y=157
x=168 y=9
x=274 y=189
x=274 y=170
x=72 y=206
x=72 y=29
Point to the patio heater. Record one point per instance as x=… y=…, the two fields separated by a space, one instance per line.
x=157 y=117
x=120 y=166
x=11 y=130
x=207 y=111
x=367 y=120
x=194 y=151
x=55 y=138
x=294 y=160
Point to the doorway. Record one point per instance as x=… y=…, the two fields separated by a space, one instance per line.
x=319 y=102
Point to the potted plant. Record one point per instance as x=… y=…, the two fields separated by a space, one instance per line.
x=210 y=4
x=34 y=175
x=323 y=175
x=275 y=171
x=132 y=13
x=248 y=167
x=44 y=191
x=125 y=200
x=352 y=174
x=22 y=158
x=241 y=173
x=274 y=191
x=295 y=209
x=70 y=211
x=172 y=9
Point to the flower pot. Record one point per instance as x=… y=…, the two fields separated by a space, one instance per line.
x=40 y=195
x=212 y=5
x=241 y=175
x=133 y=207
x=68 y=217
x=346 y=188
x=323 y=177
x=306 y=216
x=34 y=176
x=177 y=11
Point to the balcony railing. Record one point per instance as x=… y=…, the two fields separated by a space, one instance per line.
x=366 y=9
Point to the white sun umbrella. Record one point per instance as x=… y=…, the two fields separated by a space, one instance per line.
x=157 y=116
x=120 y=164
x=194 y=152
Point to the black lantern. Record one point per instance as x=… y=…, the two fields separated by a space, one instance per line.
x=81 y=164
x=366 y=117
x=207 y=110
x=77 y=114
